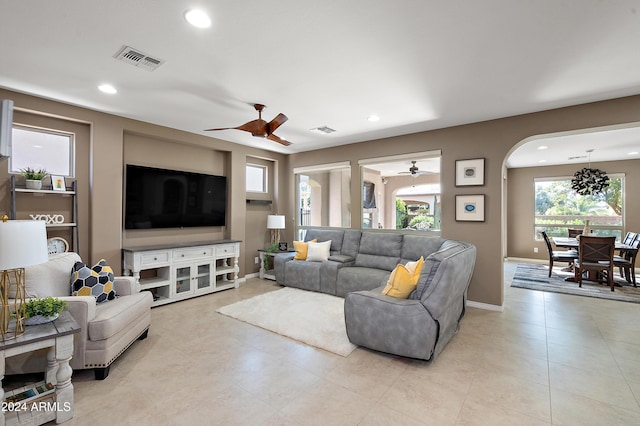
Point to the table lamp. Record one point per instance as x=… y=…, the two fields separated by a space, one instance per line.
x=22 y=243
x=275 y=222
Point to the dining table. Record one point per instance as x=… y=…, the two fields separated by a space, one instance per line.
x=573 y=243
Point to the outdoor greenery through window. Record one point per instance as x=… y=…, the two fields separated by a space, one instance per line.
x=558 y=208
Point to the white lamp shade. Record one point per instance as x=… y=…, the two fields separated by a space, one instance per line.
x=275 y=221
x=22 y=243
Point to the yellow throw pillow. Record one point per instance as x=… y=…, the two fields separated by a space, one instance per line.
x=404 y=279
x=302 y=248
x=400 y=283
x=415 y=268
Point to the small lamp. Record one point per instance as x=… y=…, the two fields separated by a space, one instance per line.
x=22 y=243
x=275 y=222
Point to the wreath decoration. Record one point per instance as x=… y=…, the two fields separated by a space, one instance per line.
x=590 y=181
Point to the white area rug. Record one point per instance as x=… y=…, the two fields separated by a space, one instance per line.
x=316 y=319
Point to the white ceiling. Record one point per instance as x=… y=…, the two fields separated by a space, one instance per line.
x=418 y=64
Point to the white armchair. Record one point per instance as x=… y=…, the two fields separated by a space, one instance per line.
x=107 y=329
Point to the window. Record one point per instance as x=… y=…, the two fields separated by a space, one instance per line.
x=323 y=194
x=256 y=178
x=558 y=208
x=402 y=192
x=42 y=149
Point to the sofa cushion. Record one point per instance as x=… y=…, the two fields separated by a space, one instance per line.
x=96 y=281
x=351 y=242
x=379 y=250
x=354 y=278
x=414 y=246
x=50 y=278
x=111 y=318
x=303 y=275
x=333 y=235
x=318 y=252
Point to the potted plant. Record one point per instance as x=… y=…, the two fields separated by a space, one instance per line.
x=33 y=177
x=268 y=260
x=46 y=309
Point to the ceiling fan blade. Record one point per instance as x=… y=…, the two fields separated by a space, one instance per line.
x=274 y=138
x=220 y=128
x=255 y=127
x=277 y=122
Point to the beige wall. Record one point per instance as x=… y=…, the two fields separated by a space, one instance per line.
x=492 y=140
x=520 y=217
x=102 y=184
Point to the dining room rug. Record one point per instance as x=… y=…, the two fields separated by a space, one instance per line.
x=316 y=319
x=536 y=277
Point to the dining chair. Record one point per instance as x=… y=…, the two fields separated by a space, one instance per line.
x=628 y=239
x=626 y=262
x=575 y=232
x=595 y=255
x=558 y=256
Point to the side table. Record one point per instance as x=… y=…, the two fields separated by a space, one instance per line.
x=270 y=273
x=58 y=337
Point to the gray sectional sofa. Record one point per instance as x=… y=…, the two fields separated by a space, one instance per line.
x=358 y=268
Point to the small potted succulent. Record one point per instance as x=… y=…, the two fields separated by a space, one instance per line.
x=33 y=177
x=43 y=310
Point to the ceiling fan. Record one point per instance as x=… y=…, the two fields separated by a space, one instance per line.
x=414 y=171
x=260 y=128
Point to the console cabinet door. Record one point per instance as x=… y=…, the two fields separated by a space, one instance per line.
x=203 y=278
x=182 y=280
x=193 y=278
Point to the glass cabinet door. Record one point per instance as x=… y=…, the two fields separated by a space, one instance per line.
x=204 y=276
x=183 y=280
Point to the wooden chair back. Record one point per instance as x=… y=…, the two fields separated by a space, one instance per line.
x=596 y=250
x=547 y=242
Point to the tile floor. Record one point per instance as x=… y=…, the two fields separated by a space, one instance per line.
x=547 y=359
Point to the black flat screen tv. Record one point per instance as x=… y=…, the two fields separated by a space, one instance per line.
x=159 y=198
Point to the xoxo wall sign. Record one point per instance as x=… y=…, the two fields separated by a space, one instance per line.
x=48 y=218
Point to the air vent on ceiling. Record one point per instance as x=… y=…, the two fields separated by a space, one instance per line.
x=138 y=58
x=577 y=157
x=323 y=129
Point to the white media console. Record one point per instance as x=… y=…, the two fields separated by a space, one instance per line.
x=172 y=273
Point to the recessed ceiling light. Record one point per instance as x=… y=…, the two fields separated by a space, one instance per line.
x=634 y=153
x=197 y=18
x=542 y=161
x=107 y=88
x=373 y=118
x=541 y=147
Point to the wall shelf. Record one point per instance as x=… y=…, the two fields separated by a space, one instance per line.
x=71 y=191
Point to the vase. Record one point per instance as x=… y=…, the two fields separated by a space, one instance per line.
x=586 y=230
x=40 y=319
x=33 y=184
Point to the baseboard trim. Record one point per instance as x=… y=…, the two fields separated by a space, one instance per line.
x=527 y=260
x=485 y=306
